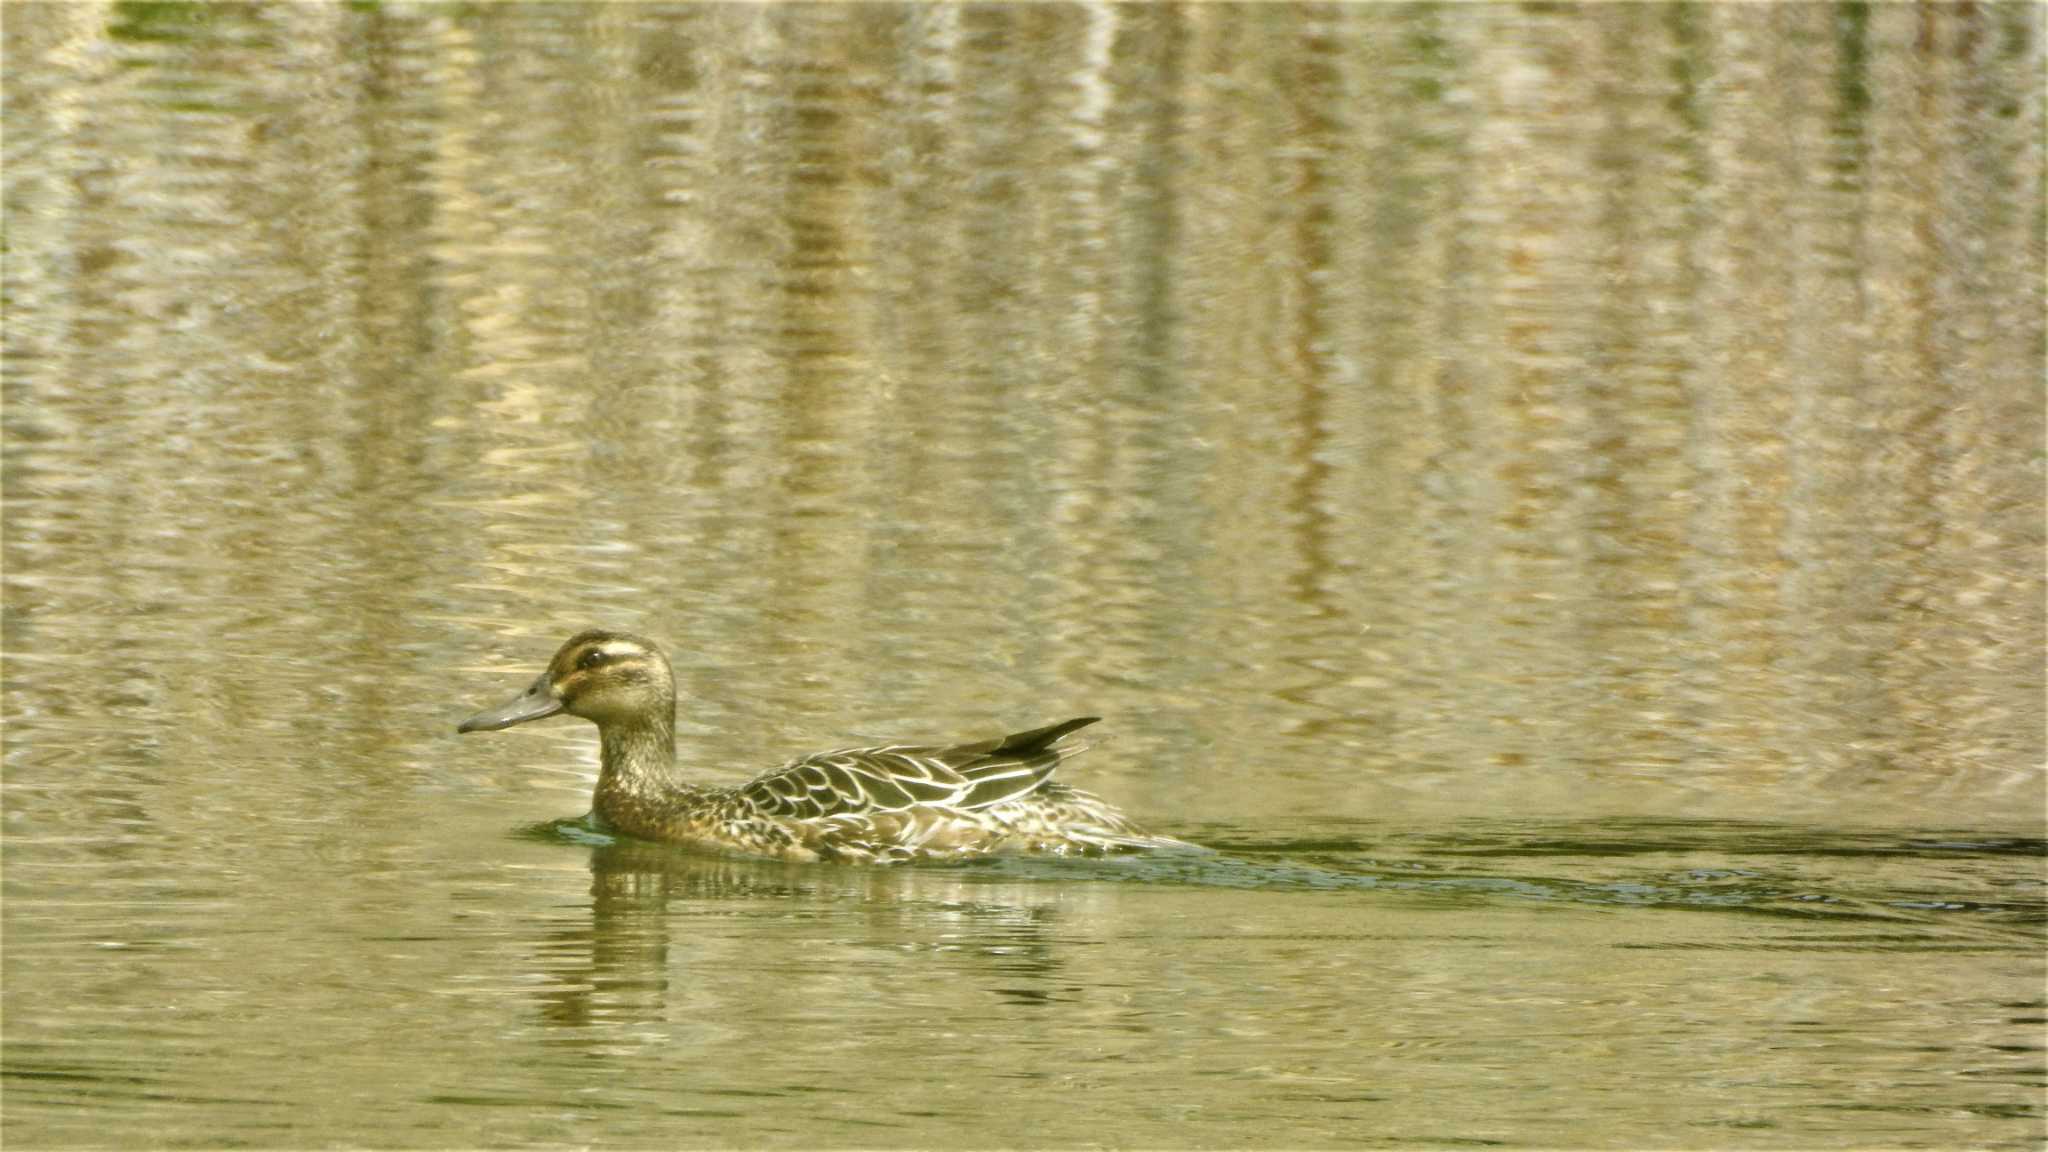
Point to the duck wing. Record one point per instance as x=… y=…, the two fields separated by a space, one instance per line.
x=899 y=777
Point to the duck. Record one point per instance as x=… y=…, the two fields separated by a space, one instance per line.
x=883 y=804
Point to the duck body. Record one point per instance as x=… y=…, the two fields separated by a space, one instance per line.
x=882 y=804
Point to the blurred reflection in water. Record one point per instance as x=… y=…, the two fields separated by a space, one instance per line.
x=1400 y=421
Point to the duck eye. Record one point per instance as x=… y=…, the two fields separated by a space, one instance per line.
x=592 y=658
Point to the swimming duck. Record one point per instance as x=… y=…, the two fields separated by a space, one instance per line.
x=883 y=804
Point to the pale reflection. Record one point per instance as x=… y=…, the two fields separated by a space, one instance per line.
x=1286 y=406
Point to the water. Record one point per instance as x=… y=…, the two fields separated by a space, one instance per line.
x=1553 y=496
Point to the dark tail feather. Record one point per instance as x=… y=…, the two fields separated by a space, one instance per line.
x=1025 y=743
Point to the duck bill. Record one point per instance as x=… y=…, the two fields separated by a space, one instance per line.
x=531 y=704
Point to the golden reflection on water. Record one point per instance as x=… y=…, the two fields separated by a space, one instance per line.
x=1382 y=414
x=1486 y=395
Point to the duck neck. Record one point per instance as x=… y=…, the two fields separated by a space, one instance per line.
x=638 y=758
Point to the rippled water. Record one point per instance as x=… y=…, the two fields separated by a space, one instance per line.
x=1552 y=496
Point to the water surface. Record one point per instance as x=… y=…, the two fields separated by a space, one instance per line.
x=1552 y=495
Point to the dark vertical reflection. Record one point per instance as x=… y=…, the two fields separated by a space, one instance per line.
x=1310 y=89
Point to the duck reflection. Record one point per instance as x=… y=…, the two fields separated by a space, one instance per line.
x=698 y=942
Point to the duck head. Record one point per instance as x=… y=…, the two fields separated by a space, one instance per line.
x=604 y=677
